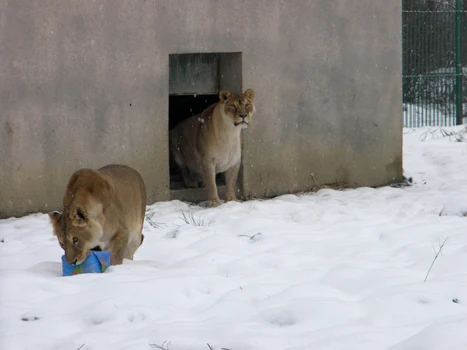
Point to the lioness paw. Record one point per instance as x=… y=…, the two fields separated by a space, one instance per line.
x=213 y=203
x=230 y=197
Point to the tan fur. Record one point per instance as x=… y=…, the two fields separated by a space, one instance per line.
x=102 y=208
x=210 y=143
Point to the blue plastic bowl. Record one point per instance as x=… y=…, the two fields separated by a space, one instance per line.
x=96 y=262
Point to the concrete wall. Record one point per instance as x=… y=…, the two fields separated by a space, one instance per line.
x=85 y=83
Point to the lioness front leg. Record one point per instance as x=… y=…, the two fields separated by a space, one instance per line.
x=119 y=243
x=231 y=176
x=209 y=180
x=188 y=178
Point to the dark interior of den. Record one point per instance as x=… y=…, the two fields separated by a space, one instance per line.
x=195 y=81
x=180 y=108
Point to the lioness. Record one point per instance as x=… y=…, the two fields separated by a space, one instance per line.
x=210 y=142
x=102 y=210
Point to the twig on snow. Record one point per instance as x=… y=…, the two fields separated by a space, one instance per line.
x=152 y=222
x=436 y=257
x=212 y=348
x=459 y=136
x=163 y=346
x=252 y=238
x=191 y=219
x=173 y=233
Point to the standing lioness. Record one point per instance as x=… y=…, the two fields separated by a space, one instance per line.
x=210 y=142
x=102 y=209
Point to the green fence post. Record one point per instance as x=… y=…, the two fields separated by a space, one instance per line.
x=459 y=62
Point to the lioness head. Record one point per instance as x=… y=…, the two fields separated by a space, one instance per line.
x=239 y=108
x=77 y=233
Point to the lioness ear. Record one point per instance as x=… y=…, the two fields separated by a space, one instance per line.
x=224 y=95
x=54 y=220
x=79 y=217
x=250 y=93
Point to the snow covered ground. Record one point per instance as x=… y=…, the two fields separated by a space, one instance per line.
x=331 y=270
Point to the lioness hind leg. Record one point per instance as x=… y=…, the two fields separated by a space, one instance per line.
x=188 y=178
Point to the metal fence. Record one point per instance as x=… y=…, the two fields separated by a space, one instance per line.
x=434 y=84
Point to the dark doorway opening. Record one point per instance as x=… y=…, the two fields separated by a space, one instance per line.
x=180 y=108
x=195 y=81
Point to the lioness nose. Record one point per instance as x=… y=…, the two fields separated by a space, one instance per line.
x=243 y=116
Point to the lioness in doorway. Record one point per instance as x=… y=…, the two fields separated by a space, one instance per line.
x=210 y=143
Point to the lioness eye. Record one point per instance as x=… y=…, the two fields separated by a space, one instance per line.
x=75 y=240
x=232 y=107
